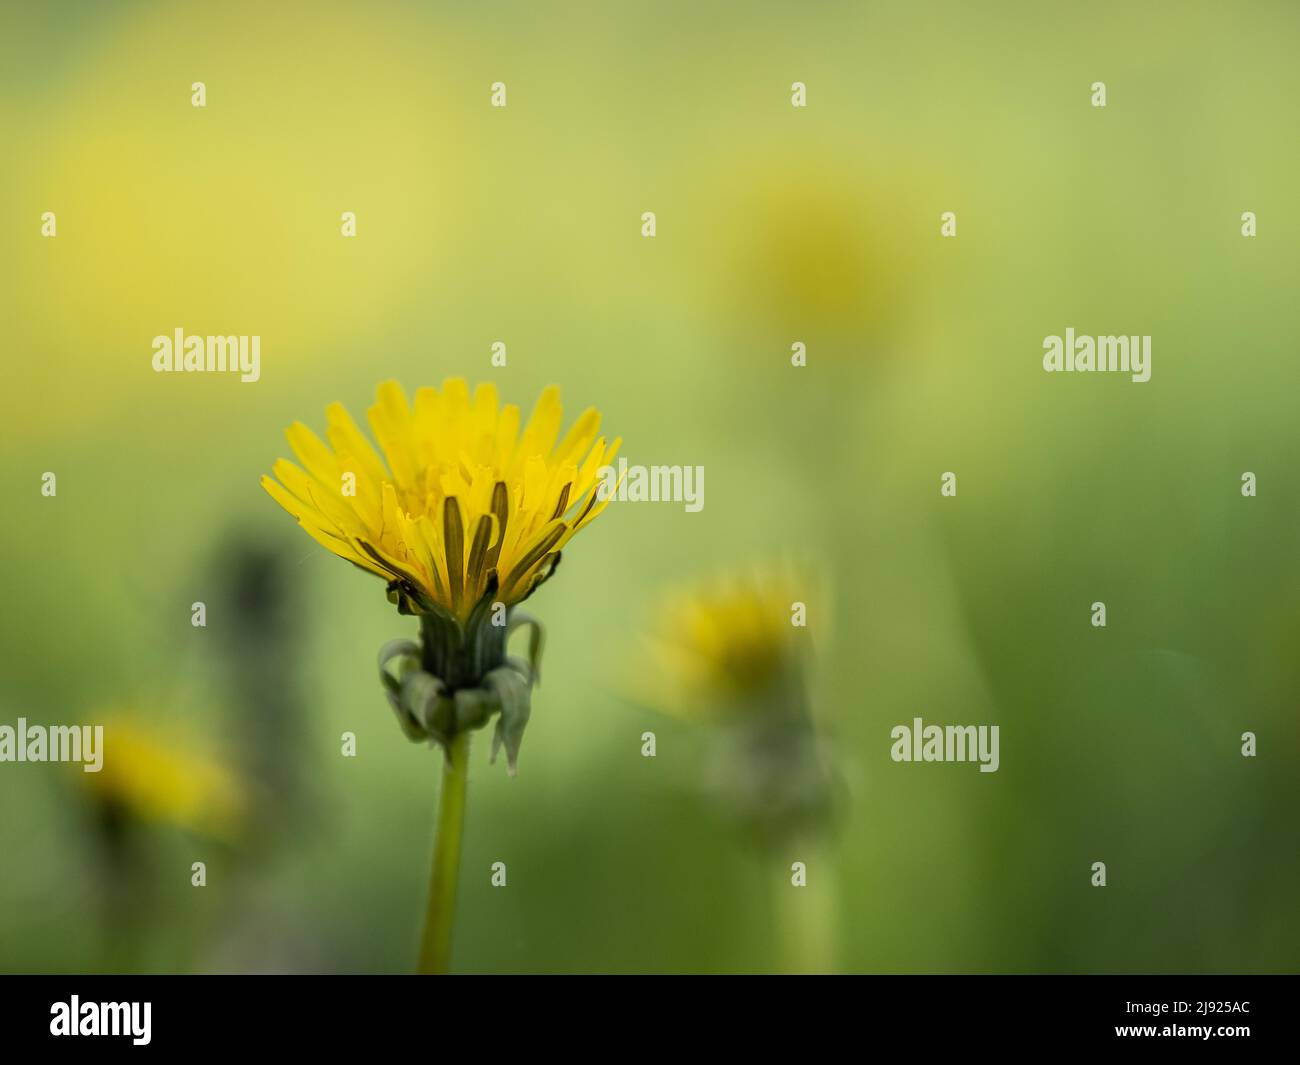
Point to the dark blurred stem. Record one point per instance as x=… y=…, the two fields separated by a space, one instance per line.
x=435 y=943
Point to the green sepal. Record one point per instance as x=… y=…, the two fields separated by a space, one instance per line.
x=536 y=638
x=514 y=696
x=474 y=708
x=459 y=676
x=408 y=654
x=423 y=696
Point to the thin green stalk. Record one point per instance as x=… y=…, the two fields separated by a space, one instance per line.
x=806 y=918
x=435 y=943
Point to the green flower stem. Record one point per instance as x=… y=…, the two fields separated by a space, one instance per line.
x=435 y=944
x=806 y=918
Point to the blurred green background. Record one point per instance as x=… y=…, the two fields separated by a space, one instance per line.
x=775 y=225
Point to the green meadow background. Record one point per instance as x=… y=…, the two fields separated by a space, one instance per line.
x=775 y=225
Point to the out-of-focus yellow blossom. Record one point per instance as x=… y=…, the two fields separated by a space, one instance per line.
x=725 y=643
x=735 y=653
x=156 y=777
x=818 y=245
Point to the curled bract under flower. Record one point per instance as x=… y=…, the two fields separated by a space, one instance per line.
x=457 y=501
x=431 y=707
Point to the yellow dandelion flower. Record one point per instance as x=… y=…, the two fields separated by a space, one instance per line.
x=460 y=505
x=158 y=778
x=463 y=516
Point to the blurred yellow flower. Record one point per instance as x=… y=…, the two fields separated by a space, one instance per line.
x=460 y=500
x=723 y=643
x=733 y=653
x=155 y=777
x=814 y=246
